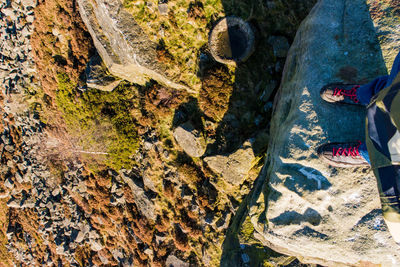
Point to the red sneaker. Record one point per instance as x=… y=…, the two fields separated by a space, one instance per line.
x=341 y=93
x=344 y=155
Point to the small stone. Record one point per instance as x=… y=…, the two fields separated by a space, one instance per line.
x=28 y=4
x=96 y=245
x=60 y=250
x=9 y=183
x=173 y=261
x=14 y=203
x=93 y=235
x=148 y=146
x=19 y=178
x=280 y=45
x=160 y=239
x=148 y=183
x=103 y=259
x=16 y=191
x=30 y=18
x=9 y=12
x=223 y=222
x=10 y=164
x=55 y=32
x=29 y=203
x=13 y=75
x=145 y=205
x=149 y=253
x=80 y=237
x=9 y=148
x=55 y=192
x=163 y=9
x=161 y=32
x=82 y=188
x=4 y=194
x=117 y=254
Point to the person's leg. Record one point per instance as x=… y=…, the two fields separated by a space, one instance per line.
x=388 y=179
x=367 y=91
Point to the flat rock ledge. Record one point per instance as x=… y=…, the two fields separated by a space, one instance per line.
x=122 y=44
x=300 y=206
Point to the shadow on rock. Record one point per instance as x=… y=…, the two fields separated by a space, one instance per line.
x=307 y=179
x=292 y=217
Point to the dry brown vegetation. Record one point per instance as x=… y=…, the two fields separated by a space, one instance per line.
x=158 y=104
x=60 y=42
x=5 y=258
x=216 y=90
x=180 y=238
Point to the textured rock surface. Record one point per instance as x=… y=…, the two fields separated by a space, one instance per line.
x=386 y=16
x=173 y=261
x=190 y=139
x=145 y=205
x=122 y=44
x=44 y=194
x=16 y=67
x=301 y=206
x=233 y=167
x=97 y=76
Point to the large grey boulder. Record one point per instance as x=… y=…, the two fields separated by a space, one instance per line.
x=233 y=167
x=144 y=204
x=190 y=140
x=122 y=44
x=300 y=206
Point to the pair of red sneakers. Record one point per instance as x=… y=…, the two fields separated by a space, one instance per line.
x=342 y=154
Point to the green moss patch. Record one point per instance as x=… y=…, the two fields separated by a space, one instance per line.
x=100 y=122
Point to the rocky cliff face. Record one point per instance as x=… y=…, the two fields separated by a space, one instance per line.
x=301 y=206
